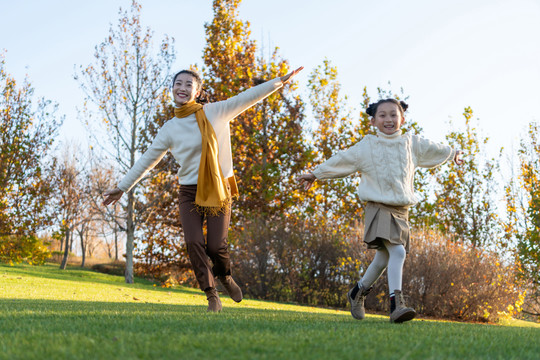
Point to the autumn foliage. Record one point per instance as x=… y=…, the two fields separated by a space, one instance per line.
x=28 y=249
x=466 y=262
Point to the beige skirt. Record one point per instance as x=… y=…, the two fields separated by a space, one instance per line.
x=385 y=222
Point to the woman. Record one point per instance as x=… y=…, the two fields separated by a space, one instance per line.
x=199 y=139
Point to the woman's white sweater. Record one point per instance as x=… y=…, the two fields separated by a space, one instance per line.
x=387 y=164
x=183 y=138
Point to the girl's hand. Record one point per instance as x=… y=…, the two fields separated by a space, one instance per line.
x=457 y=158
x=285 y=79
x=112 y=196
x=306 y=180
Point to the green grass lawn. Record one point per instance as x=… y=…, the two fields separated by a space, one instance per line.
x=46 y=313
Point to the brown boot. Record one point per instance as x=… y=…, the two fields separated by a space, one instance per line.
x=214 y=304
x=401 y=313
x=230 y=286
x=357 y=304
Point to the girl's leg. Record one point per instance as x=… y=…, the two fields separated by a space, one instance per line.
x=399 y=312
x=375 y=269
x=396 y=260
x=358 y=293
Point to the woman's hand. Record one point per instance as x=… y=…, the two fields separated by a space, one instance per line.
x=112 y=196
x=307 y=180
x=457 y=158
x=286 y=78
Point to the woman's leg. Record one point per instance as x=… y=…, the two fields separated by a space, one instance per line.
x=192 y=224
x=217 y=247
x=216 y=243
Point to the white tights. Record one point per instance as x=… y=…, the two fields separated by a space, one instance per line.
x=393 y=257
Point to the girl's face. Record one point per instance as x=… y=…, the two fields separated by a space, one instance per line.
x=388 y=118
x=185 y=89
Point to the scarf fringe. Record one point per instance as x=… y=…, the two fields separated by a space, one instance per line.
x=224 y=208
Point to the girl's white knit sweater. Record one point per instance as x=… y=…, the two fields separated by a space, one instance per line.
x=183 y=138
x=387 y=164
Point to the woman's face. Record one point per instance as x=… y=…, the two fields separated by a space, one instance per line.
x=185 y=89
x=388 y=118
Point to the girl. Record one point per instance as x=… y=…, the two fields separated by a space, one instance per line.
x=387 y=162
x=199 y=139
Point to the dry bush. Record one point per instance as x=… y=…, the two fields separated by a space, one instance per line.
x=168 y=274
x=448 y=279
x=295 y=261
x=317 y=265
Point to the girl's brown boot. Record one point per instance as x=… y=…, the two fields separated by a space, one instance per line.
x=357 y=302
x=401 y=313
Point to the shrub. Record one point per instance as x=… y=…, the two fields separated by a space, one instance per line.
x=112 y=268
x=314 y=264
x=448 y=279
x=295 y=261
x=168 y=274
x=18 y=249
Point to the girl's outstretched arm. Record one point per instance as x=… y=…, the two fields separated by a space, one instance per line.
x=307 y=180
x=457 y=158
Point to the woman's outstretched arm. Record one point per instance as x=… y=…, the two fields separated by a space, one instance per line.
x=227 y=110
x=285 y=79
x=112 y=196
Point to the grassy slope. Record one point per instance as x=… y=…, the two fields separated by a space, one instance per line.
x=46 y=313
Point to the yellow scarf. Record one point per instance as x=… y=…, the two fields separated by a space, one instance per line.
x=213 y=195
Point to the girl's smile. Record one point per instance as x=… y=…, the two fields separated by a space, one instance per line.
x=388 y=118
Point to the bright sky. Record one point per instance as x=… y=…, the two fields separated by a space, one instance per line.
x=445 y=54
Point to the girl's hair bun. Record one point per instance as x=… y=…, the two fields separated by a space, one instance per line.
x=372 y=109
x=403 y=105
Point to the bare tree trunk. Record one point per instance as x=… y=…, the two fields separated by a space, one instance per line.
x=66 y=250
x=130 y=232
x=83 y=247
x=115 y=241
x=71 y=241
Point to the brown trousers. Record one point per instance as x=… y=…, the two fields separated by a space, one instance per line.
x=199 y=250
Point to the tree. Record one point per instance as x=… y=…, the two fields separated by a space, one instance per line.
x=266 y=139
x=70 y=198
x=465 y=203
x=107 y=221
x=268 y=149
x=125 y=83
x=27 y=132
x=335 y=130
x=523 y=213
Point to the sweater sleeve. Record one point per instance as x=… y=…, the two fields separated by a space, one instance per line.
x=147 y=161
x=342 y=164
x=234 y=106
x=430 y=154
